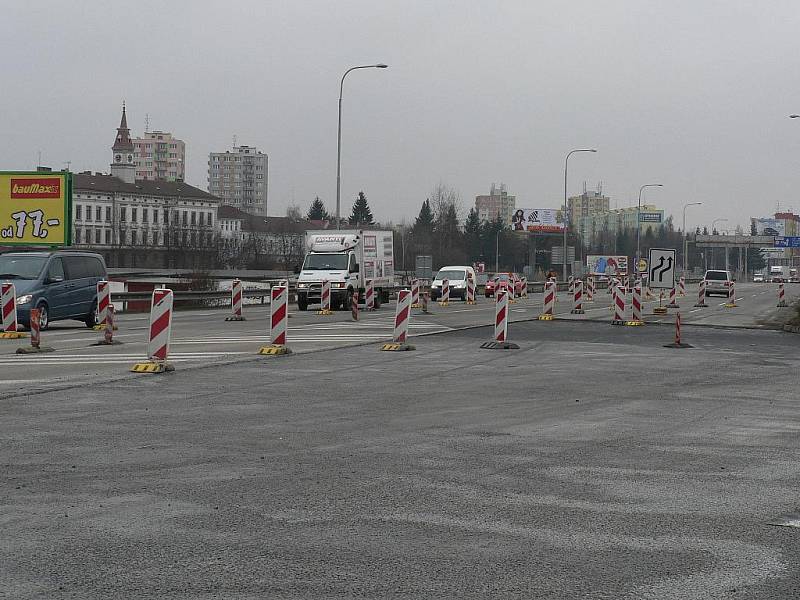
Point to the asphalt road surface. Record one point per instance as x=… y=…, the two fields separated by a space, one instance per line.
x=590 y=463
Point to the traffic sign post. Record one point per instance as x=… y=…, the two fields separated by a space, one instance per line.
x=661 y=264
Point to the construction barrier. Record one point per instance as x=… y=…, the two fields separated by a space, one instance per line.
x=402 y=317
x=511 y=289
x=278 y=322
x=470 y=290
x=577 y=297
x=236 y=301
x=682 y=286
x=369 y=295
x=354 y=306
x=619 y=306
x=415 y=293
x=731 y=303
x=701 y=295
x=8 y=304
x=325 y=299
x=523 y=292
x=549 y=301
x=781 y=296
x=160 y=332
x=103 y=302
x=673 y=303
x=636 y=305
x=445 y=299
x=678 y=343
x=590 y=289
x=500 y=341
x=35 y=346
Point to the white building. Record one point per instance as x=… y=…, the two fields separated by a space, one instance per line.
x=159 y=155
x=240 y=178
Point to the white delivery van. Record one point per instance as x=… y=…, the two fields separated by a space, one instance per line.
x=456 y=280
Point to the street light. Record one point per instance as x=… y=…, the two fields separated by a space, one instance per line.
x=639 y=224
x=339 y=141
x=564 y=219
x=685 y=237
x=794 y=116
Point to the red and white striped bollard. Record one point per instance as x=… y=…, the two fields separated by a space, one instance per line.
x=103 y=302
x=673 y=303
x=701 y=295
x=781 y=296
x=470 y=290
x=8 y=304
x=415 y=293
x=548 y=301
x=278 y=322
x=159 y=333
x=325 y=298
x=619 y=306
x=636 y=305
x=445 y=299
x=369 y=295
x=577 y=297
x=236 y=301
x=402 y=318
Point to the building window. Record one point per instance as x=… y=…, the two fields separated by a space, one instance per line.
x=88 y=213
x=133 y=237
x=144 y=216
x=155 y=216
x=108 y=214
x=202 y=217
x=123 y=216
x=166 y=216
x=78 y=236
x=194 y=218
x=134 y=210
x=108 y=237
x=185 y=218
x=78 y=212
x=98 y=236
x=98 y=213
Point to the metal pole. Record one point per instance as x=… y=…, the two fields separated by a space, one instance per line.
x=566 y=167
x=685 y=237
x=339 y=142
x=639 y=223
x=497 y=254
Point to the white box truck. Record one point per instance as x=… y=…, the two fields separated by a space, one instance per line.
x=346 y=258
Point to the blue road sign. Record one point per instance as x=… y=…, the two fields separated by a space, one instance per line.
x=787 y=242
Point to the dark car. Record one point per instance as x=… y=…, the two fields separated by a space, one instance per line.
x=61 y=284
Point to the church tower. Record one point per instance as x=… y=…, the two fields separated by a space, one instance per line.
x=122 y=166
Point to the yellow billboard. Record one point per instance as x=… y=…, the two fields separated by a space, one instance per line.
x=35 y=208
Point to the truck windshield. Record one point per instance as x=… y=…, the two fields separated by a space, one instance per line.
x=21 y=267
x=451 y=275
x=325 y=262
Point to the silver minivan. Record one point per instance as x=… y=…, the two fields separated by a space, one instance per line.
x=718 y=282
x=62 y=284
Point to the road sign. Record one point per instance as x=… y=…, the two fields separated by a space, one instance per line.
x=787 y=242
x=35 y=208
x=423 y=267
x=642 y=265
x=662 y=268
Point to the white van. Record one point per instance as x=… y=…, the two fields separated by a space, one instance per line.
x=457 y=280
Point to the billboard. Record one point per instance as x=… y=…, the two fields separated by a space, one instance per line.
x=651 y=217
x=607 y=265
x=35 y=208
x=769 y=226
x=539 y=220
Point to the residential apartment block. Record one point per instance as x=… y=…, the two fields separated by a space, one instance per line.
x=592 y=226
x=496 y=203
x=240 y=178
x=159 y=156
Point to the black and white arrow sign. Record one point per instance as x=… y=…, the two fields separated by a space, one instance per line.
x=662 y=268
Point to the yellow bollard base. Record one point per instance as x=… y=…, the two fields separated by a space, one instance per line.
x=634 y=323
x=444 y=304
x=12 y=335
x=471 y=302
x=659 y=310
x=273 y=350
x=397 y=347
x=416 y=305
x=152 y=366
x=545 y=317
x=103 y=328
x=730 y=305
x=234 y=318
x=325 y=312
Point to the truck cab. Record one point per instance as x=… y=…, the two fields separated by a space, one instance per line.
x=330 y=257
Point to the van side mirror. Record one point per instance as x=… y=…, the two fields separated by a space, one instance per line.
x=50 y=280
x=354 y=269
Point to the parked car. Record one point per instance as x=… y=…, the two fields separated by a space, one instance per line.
x=491 y=284
x=718 y=283
x=62 y=284
x=456 y=279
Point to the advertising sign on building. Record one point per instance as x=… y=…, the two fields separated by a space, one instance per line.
x=650 y=217
x=35 y=209
x=770 y=227
x=537 y=220
x=607 y=265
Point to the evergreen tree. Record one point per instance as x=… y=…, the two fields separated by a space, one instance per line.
x=755 y=260
x=753 y=228
x=425 y=218
x=472 y=236
x=361 y=214
x=317 y=212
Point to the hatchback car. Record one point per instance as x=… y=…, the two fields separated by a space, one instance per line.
x=718 y=283
x=61 y=284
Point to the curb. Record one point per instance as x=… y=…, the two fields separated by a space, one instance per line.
x=791 y=328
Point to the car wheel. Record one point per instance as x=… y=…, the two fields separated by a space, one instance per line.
x=92 y=318
x=44 y=316
x=347 y=301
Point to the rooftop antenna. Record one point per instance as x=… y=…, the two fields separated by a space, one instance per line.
x=146 y=122
x=68 y=164
x=234 y=140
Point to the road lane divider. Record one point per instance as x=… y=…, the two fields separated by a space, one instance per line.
x=701 y=295
x=445 y=299
x=8 y=306
x=470 y=290
x=678 y=343
x=636 y=305
x=35 y=346
x=549 y=301
x=236 y=302
x=325 y=299
x=577 y=297
x=161 y=305
x=781 y=296
x=500 y=341
x=279 y=304
x=402 y=317
x=103 y=302
x=618 y=297
x=415 y=294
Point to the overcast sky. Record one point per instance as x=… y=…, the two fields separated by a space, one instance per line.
x=693 y=94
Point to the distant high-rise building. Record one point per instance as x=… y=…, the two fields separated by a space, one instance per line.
x=159 y=156
x=586 y=205
x=497 y=203
x=240 y=177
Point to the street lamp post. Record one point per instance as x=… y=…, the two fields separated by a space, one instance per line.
x=564 y=219
x=339 y=141
x=685 y=237
x=639 y=224
x=497 y=252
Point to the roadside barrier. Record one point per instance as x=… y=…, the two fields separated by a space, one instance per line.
x=612 y=285
x=35 y=346
x=470 y=290
x=701 y=295
x=678 y=343
x=571 y=284
x=590 y=289
x=369 y=295
x=619 y=306
x=415 y=293
x=510 y=288
x=682 y=286
x=8 y=303
x=445 y=299
x=549 y=301
x=500 y=341
x=577 y=298
x=781 y=296
x=103 y=302
x=402 y=317
x=159 y=334
x=279 y=303
x=523 y=292
x=354 y=306
x=325 y=299
x=673 y=303
x=236 y=301
x=731 y=303
x=108 y=332
x=636 y=305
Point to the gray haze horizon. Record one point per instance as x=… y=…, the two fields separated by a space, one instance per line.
x=691 y=94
